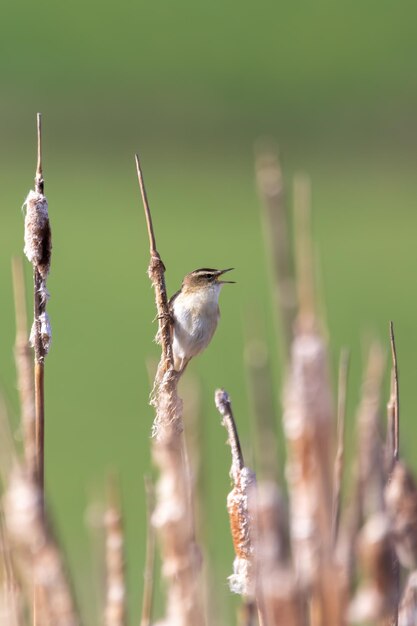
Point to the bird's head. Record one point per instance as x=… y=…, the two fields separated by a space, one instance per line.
x=205 y=278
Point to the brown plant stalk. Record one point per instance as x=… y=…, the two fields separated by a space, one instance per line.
x=308 y=411
x=115 y=611
x=149 y=573
x=36 y=554
x=282 y=598
x=407 y=615
x=11 y=596
x=393 y=428
x=242 y=581
x=173 y=515
x=340 y=452
x=24 y=368
x=309 y=431
x=38 y=251
x=276 y=234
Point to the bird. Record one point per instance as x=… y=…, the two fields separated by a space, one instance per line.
x=195 y=313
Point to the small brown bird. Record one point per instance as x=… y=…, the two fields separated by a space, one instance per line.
x=195 y=313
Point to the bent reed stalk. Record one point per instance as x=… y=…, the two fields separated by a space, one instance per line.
x=173 y=515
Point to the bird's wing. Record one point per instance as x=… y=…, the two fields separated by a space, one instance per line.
x=171 y=311
x=171 y=301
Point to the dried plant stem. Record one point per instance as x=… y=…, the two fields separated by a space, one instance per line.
x=282 y=598
x=156 y=272
x=369 y=437
x=10 y=592
x=396 y=397
x=39 y=174
x=247 y=615
x=24 y=368
x=149 y=573
x=38 y=251
x=40 y=422
x=39 y=307
x=115 y=612
x=304 y=252
x=340 y=452
x=36 y=553
x=394 y=429
x=173 y=515
x=242 y=580
x=308 y=429
x=408 y=607
x=276 y=233
x=224 y=407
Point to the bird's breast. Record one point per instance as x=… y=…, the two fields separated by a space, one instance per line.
x=195 y=320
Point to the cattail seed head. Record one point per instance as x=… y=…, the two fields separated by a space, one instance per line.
x=37 y=232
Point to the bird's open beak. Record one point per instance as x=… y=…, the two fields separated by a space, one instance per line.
x=224 y=282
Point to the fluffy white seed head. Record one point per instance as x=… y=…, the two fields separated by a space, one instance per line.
x=37 y=232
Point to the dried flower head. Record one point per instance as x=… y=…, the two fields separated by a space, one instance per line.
x=38 y=243
x=238 y=503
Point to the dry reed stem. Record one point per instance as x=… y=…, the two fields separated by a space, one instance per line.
x=367 y=494
x=194 y=436
x=352 y=520
x=247 y=615
x=115 y=611
x=149 y=572
x=304 y=258
x=371 y=470
x=396 y=397
x=173 y=515
x=309 y=358
x=308 y=430
x=38 y=248
x=376 y=599
x=37 y=556
x=282 y=599
x=10 y=612
x=276 y=235
x=393 y=429
x=156 y=273
x=340 y=452
x=11 y=598
x=401 y=503
x=11 y=593
x=407 y=615
x=390 y=436
x=242 y=581
x=24 y=368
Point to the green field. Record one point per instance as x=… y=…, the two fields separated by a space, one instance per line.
x=192 y=88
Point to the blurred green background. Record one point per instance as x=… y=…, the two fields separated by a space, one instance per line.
x=192 y=86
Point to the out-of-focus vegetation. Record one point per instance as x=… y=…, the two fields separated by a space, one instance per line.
x=192 y=87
